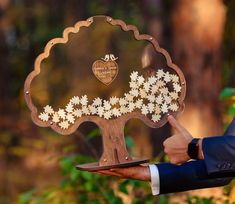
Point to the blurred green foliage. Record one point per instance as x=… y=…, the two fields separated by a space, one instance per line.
x=227 y=93
x=85 y=187
x=227 y=96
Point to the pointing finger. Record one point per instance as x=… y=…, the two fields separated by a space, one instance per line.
x=175 y=124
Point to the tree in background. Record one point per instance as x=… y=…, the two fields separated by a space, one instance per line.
x=197 y=35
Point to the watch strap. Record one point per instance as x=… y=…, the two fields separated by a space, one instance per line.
x=193 y=148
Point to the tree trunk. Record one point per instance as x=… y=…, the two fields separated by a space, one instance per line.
x=114 y=146
x=197 y=31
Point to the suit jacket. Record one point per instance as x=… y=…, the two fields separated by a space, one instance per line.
x=217 y=168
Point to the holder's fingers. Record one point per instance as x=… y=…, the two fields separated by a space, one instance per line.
x=108 y=173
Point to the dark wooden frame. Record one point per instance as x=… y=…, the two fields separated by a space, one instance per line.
x=115 y=152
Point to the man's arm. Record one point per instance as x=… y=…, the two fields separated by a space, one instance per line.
x=189 y=176
x=172 y=178
x=218 y=152
x=219 y=155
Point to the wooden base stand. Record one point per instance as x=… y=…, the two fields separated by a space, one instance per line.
x=95 y=166
x=115 y=154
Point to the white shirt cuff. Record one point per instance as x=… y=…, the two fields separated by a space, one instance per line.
x=202 y=151
x=155 y=179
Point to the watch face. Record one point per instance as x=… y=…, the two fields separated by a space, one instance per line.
x=193 y=149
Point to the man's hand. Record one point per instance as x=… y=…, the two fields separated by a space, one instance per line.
x=176 y=146
x=135 y=172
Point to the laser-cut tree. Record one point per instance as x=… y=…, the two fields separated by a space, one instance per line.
x=154 y=90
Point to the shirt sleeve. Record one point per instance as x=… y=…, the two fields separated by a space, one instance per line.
x=155 y=180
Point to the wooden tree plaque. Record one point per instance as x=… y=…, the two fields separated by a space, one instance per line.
x=104 y=71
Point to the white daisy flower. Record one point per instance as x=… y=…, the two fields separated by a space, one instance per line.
x=122 y=102
x=92 y=109
x=97 y=102
x=174 y=107
x=131 y=106
x=167 y=77
x=85 y=110
x=143 y=93
x=48 y=109
x=167 y=99
x=70 y=118
x=176 y=87
x=140 y=80
x=151 y=98
x=146 y=86
x=151 y=107
x=134 y=76
x=100 y=111
x=164 y=108
x=156 y=118
x=160 y=73
x=108 y=115
x=116 y=112
x=84 y=100
x=159 y=99
x=160 y=83
x=134 y=92
x=44 y=116
x=113 y=100
x=175 y=78
x=124 y=109
x=75 y=100
x=133 y=85
x=174 y=95
x=55 y=117
x=107 y=105
x=77 y=113
x=69 y=108
x=129 y=97
x=138 y=103
x=164 y=91
x=64 y=124
x=154 y=89
x=152 y=80
x=144 y=110
x=157 y=109
x=62 y=113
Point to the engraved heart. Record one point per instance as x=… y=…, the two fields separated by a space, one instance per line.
x=106 y=72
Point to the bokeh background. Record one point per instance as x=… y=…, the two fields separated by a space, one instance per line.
x=37 y=165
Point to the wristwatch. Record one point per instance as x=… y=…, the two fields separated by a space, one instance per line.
x=193 y=148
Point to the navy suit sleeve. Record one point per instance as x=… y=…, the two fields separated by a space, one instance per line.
x=217 y=168
x=231 y=128
x=189 y=176
x=219 y=153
